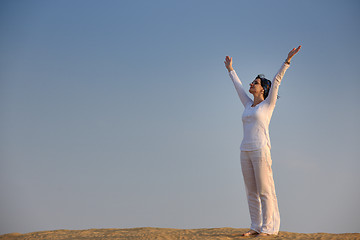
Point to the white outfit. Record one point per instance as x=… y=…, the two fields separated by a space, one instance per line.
x=255 y=156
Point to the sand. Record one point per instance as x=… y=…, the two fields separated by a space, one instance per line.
x=148 y=233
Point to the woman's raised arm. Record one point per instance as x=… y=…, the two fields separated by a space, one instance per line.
x=245 y=99
x=272 y=97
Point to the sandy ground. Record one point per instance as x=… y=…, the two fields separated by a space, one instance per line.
x=148 y=233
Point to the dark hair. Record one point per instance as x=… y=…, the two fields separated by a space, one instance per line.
x=265 y=83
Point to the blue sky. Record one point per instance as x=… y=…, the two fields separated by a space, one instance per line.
x=122 y=114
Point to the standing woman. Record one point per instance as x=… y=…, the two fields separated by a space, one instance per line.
x=255 y=148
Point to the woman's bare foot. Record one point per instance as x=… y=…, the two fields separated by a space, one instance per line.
x=250 y=233
x=262 y=234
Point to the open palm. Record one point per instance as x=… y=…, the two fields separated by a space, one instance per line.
x=228 y=63
x=293 y=52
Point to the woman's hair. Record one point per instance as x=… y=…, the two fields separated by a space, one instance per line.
x=265 y=83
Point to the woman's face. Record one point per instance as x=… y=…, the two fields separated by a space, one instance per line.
x=255 y=87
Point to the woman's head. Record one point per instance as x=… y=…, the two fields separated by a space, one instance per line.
x=260 y=85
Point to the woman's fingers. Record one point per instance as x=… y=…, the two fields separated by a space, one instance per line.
x=294 y=51
x=227 y=60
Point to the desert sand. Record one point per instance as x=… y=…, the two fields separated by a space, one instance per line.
x=149 y=233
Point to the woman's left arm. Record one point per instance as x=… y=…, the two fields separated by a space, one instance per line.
x=272 y=97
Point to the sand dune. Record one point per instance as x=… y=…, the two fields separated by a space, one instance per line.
x=167 y=234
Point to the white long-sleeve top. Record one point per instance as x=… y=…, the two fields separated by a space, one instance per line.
x=256 y=119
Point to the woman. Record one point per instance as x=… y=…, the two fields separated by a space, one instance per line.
x=255 y=148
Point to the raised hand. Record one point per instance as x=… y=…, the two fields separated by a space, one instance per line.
x=228 y=63
x=292 y=53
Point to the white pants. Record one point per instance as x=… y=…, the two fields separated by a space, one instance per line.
x=260 y=190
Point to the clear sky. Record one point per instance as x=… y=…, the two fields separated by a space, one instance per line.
x=118 y=114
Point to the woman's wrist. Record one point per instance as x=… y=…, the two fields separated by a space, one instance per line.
x=230 y=69
x=288 y=60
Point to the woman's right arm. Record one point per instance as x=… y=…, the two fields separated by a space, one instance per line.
x=237 y=83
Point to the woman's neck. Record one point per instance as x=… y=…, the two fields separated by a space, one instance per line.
x=257 y=100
